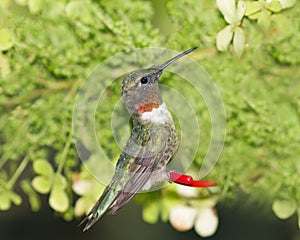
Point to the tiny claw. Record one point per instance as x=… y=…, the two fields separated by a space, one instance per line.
x=188 y=180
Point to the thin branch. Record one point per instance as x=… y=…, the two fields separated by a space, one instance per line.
x=18 y=172
x=3 y=160
x=64 y=154
x=36 y=93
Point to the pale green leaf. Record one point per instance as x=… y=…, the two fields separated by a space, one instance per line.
x=224 y=37
x=264 y=20
x=60 y=181
x=80 y=207
x=68 y=215
x=6 y=39
x=252 y=7
x=239 y=41
x=58 y=200
x=151 y=212
x=255 y=16
x=41 y=184
x=284 y=208
x=5 y=202
x=43 y=167
x=287 y=3
x=14 y=198
x=274 y=6
x=35 y=6
x=227 y=8
x=8 y=197
x=33 y=197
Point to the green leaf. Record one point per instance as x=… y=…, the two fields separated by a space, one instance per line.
x=264 y=20
x=80 y=206
x=151 y=212
x=255 y=16
x=287 y=3
x=4 y=202
x=7 y=198
x=35 y=6
x=60 y=181
x=274 y=6
x=284 y=208
x=6 y=39
x=43 y=167
x=252 y=7
x=41 y=184
x=14 y=198
x=58 y=200
x=69 y=214
x=239 y=41
x=224 y=37
x=33 y=197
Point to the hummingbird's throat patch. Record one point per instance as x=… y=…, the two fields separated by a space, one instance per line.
x=146 y=107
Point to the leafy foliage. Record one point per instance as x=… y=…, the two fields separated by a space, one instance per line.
x=49 y=47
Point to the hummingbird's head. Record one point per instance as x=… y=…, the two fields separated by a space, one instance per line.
x=140 y=88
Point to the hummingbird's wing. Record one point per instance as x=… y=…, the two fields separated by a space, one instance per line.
x=150 y=157
x=147 y=150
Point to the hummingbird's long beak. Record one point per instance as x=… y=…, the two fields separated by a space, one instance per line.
x=167 y=63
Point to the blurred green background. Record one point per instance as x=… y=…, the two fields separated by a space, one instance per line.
x=251 y=51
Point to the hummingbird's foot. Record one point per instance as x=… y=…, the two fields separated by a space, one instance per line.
x=188 y=180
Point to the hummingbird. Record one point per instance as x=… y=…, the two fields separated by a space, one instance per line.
x=150 y=147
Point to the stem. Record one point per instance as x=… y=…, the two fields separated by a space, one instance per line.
x=3 y=160
x=36 y=93
x=64 y=154
x=18 y=172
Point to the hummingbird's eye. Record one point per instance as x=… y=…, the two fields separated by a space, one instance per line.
x=144 y=80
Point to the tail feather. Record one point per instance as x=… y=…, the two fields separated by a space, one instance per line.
x=91 y=218
x=99 y=209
